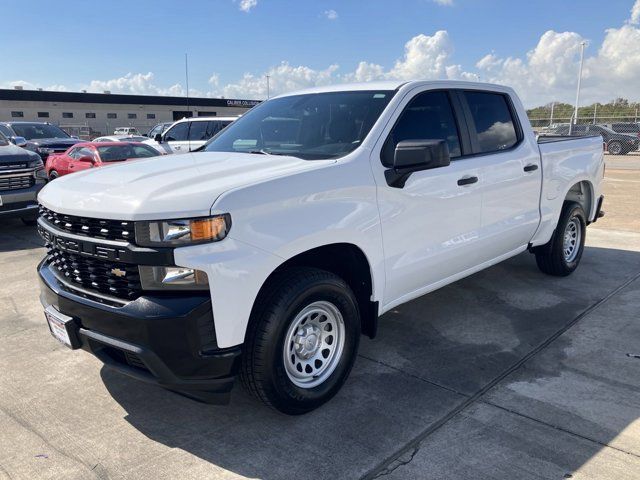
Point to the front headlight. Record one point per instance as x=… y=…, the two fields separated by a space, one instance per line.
x=183 y=232
x=172 y=278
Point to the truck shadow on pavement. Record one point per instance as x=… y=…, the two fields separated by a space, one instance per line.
x=457 y=356
x=17 y=236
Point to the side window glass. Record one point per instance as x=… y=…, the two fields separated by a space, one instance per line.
x=428 y=116
x=7 y=133
x=198 y=131
x=494 y=127
x=178 y=133
x=85 y=152
x=74 y=153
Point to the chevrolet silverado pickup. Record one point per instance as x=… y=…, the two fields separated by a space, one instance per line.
x=21 y=178
x=269 y=253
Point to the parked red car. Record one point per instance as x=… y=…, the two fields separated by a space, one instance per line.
x=88 y=155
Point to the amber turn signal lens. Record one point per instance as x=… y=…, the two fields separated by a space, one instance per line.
x=208 y=229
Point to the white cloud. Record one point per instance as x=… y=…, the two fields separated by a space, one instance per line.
x=247 y=5
x=634 y=19
x=546 y=73
x=31 y=86
x=137 y=84
x=550 y=70
x=333 y=15
x=282 y=78
x=446 y=3
x=425 y=57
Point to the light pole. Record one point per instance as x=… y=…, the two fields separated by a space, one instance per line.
x=186 y=74
x=575 y=113
x=268 y=76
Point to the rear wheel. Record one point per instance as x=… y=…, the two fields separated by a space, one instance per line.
x=302 y=340
x=615 y=148
x=562 y=254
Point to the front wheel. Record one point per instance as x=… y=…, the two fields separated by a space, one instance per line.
x=302 y=340
x=53 y=175
x=562 y=254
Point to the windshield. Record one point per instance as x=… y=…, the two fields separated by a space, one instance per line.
x=3 y=140
x=31 y=131
x=311 y=126
x=115 y=153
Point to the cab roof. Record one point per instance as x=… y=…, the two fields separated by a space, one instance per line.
x=396 y=85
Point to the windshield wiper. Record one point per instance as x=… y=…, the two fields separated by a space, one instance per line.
x=260 y=152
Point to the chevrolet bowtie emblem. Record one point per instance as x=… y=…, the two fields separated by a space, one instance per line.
x=117 y=272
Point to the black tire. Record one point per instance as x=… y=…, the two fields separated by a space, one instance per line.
x=615 y=148
x=53 y=175
x=288 y=293
x=551 y=258
x=30 y=221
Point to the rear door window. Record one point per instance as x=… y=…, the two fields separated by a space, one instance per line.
x=493 y=127
x=198 y=131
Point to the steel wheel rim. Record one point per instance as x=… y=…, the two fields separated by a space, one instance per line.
x=572 y=239
x=314 y=344
x=616 y=148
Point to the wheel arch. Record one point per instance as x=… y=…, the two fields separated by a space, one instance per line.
x=582 y=193
x=347 y=261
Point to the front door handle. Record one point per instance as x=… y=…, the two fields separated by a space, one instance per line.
x=532 y=167
x=467 y=180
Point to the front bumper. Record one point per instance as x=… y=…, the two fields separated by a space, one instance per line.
x=165 y=340
x=20 y=203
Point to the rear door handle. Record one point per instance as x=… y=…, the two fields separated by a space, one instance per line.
x=532 y=167
x=467 y=180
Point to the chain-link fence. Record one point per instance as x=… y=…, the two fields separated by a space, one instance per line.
x=617 y=122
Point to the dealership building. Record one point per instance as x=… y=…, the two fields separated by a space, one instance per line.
x=101 y=113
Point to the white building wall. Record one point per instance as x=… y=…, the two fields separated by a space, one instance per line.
x=102 y=124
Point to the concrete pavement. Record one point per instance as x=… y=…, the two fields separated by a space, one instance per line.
x=506 y=374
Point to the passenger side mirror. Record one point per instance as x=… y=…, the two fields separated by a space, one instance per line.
x=414 y=156
x=18 y=141
x=158 y=137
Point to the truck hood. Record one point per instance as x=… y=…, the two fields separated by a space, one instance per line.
x=15 y=157
x=170 y=186
x=56 y=143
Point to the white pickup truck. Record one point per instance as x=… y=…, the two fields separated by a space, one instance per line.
x=269 y=253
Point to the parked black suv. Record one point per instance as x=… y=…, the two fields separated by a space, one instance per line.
x=42 y=138
x=22 y=176
x=617 y=143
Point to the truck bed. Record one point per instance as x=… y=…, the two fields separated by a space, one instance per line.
x=561 y=138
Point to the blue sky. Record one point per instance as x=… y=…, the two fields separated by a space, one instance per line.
x=69 y=44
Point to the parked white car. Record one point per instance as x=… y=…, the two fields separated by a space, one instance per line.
x=189 y=134
x=126 y=131
x=120 y=138
x=268 y=254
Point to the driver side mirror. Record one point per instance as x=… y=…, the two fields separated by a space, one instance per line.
x=414 y=156
x=18 y=141
x=87 y=159
x=158 y=137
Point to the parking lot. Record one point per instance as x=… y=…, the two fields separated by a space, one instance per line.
x=508 y=373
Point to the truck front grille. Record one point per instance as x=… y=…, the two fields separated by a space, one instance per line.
x=112 y=278
x=16 y=182
x=89 y=227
